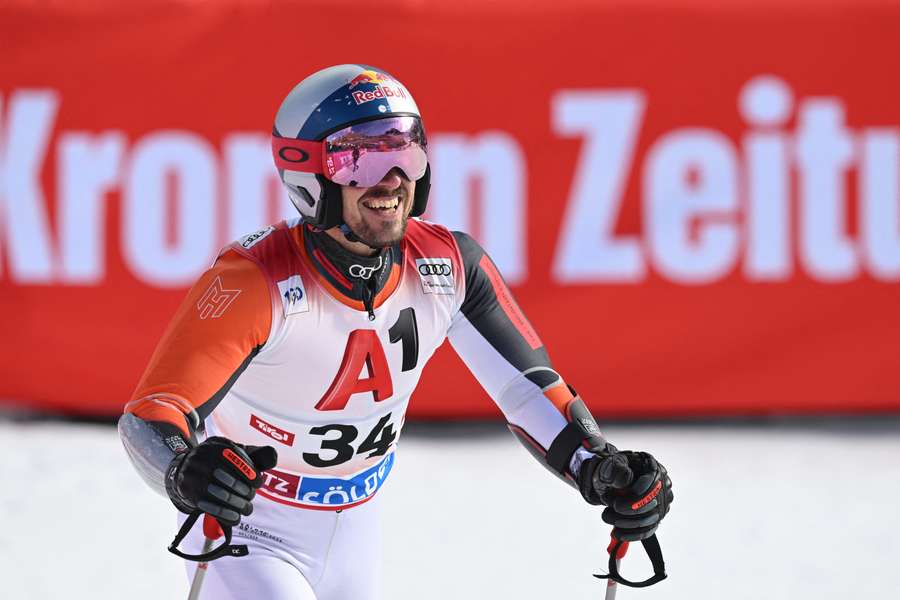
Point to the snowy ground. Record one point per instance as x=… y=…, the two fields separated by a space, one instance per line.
x=805 y=510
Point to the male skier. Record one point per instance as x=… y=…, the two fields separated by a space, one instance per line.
x=309 y=336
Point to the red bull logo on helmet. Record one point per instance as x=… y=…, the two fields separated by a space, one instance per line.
x=385 y=87
x=368 y=76
x=380 y=91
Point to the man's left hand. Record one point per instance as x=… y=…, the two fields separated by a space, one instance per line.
x=634 y=487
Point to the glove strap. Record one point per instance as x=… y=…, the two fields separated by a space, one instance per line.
x=224 y=549
x=654 y=553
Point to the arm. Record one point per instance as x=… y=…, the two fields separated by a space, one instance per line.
x=498 y=345
x=220 y=326
x=492 y=336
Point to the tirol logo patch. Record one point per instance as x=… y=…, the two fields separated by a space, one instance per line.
x=276 y=433
x=293 y=295
x=436 y=275
x=251 y=240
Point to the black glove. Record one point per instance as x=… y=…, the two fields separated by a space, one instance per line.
x=633 y=486
x=218 y=477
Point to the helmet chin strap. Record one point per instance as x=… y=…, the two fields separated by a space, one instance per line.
x=348 y=233
x=352 y=237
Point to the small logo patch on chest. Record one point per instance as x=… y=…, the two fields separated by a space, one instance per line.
x=293 y=295
x=436 y=275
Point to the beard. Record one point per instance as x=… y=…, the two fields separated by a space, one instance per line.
x=381 y=234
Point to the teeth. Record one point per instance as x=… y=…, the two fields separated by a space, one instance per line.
x=382 y=203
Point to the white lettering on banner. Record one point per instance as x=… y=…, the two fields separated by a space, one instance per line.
x=496 y=161
x=588 y=250
x=685 y=249
x=673 y=200
x=766 y=102
x=87 y=168
x=880 y=212
x=24 y=224
x=256 y=197
x=190 y=163
x=711 y=205
x=824 y=152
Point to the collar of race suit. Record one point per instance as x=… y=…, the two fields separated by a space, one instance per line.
x=357 y=277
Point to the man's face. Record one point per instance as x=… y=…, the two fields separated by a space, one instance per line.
x=378 y=214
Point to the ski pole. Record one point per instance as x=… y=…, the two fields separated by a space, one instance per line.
x=211 y=531
x=611 y=585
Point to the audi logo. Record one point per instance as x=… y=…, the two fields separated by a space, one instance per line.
x=435 y=269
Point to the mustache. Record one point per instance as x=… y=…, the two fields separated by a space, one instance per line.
x=383 y=192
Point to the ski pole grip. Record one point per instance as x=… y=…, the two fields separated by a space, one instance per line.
x=211 y=528
x=612 y=547
x=226 y=548
x=654 y=553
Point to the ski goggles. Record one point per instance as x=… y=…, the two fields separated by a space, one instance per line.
x=359 y=155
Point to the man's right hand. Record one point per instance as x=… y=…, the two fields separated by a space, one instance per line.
x=218 y=477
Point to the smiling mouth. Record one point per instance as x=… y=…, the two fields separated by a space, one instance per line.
x=383 y=204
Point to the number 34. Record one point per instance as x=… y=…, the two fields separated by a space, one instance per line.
x=378 y=442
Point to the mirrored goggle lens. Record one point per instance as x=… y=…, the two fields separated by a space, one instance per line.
x=361 y=155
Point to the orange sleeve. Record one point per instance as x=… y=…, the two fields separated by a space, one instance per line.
x=218 y=328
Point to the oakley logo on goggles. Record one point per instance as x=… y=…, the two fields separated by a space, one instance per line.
x=359 y=155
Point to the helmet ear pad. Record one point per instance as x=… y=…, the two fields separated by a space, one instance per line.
x=420 y=198
x=330 y=211
x=304 y=191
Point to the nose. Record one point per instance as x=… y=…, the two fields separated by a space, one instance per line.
x=391 y=179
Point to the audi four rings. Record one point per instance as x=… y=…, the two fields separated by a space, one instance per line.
x=435 y=269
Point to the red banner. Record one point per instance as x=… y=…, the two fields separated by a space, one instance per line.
x=697 y=206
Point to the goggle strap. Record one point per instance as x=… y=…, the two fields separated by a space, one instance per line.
x=297 y=155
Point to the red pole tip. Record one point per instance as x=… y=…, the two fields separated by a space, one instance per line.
x=211 y=528
x=612 y=544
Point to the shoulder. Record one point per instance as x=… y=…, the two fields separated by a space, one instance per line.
x=424 y=239
x=470 y=250
x=433 y=252
x=419 y=230
x=263 y=244
x=272 y=249
x=233 y=275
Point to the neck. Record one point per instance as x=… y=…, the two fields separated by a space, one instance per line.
x=350 y=271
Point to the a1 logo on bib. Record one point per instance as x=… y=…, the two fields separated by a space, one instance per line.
x=436 y=275
x=293 y=295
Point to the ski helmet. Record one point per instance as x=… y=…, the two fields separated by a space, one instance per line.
x=347 y=125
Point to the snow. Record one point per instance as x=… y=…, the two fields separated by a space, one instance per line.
x=804 y=510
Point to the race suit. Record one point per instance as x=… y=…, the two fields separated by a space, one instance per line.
x=278 y=345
